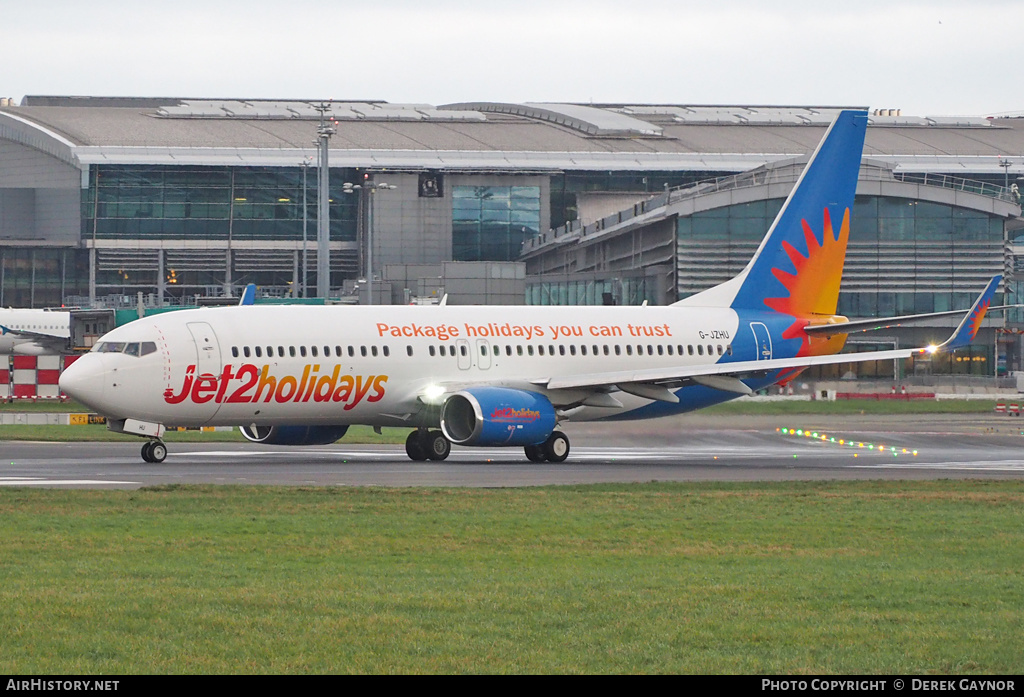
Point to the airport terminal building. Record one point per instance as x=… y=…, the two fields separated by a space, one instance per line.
x=105 y=198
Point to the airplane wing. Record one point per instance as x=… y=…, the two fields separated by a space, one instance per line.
x=655 y=383
x=706 y=374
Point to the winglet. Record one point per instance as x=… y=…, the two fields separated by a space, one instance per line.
x=248 y=295
x=971 y=322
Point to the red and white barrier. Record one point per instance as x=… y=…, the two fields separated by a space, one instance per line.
x=33 y=377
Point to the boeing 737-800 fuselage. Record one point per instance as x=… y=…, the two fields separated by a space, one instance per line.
x=378 y=366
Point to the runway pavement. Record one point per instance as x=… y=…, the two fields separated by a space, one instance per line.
x=689 y=448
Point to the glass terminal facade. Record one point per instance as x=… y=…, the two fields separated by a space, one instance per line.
x=490 y=223
x=210 y=203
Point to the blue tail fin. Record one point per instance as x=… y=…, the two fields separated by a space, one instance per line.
x=248 y=295
x=798 y=267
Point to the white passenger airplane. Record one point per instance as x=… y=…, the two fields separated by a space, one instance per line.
x=496 y=376
x=34 y=332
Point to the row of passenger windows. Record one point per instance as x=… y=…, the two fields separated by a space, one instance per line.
x=605 y=349
x=30 y=327
x=312 y=351
x=519 y=350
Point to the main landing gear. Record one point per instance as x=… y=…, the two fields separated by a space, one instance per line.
x=427 y=445
x=154 y=451
x=554 y=449
x=423 y=444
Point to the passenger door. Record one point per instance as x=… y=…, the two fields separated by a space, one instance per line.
x=208 y=363
x=763 y=339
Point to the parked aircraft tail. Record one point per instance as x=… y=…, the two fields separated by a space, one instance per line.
x=248 y=295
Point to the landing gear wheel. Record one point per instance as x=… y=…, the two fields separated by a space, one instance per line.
x=556 y=447
x=154 y=451
x=414 y=447
x=436 y=446
x=158 y=451
x=535 y=453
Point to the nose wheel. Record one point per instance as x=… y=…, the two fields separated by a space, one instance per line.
x=154 y=451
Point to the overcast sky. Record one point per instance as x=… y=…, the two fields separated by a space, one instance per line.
x=934 y=57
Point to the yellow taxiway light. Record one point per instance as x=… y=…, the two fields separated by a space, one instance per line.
x=824 y=437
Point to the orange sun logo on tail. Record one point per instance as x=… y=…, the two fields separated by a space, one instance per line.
x=814 y=287
x=977 y=317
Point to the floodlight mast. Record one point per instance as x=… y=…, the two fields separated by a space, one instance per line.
x=303 y=290
x=323 y=224
x=366 y=191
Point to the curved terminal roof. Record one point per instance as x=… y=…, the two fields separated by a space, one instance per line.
x=491 y=136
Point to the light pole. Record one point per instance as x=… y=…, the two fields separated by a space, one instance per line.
x=306 y=162
x=366 y=191
x=323 y=227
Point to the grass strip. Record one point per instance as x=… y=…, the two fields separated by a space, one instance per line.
x=776 y=578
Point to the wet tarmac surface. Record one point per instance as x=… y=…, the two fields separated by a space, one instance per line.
x=691 y=448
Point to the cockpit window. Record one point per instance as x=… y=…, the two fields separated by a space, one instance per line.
x=110 y=347
x=135 y=348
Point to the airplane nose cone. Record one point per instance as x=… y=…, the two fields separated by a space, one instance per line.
x=83 y=380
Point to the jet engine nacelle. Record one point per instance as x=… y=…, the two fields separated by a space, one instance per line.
x=497 y=416
x=293 y=435
x=31 y=349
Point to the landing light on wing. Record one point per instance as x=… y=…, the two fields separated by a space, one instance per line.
x=433 y=393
